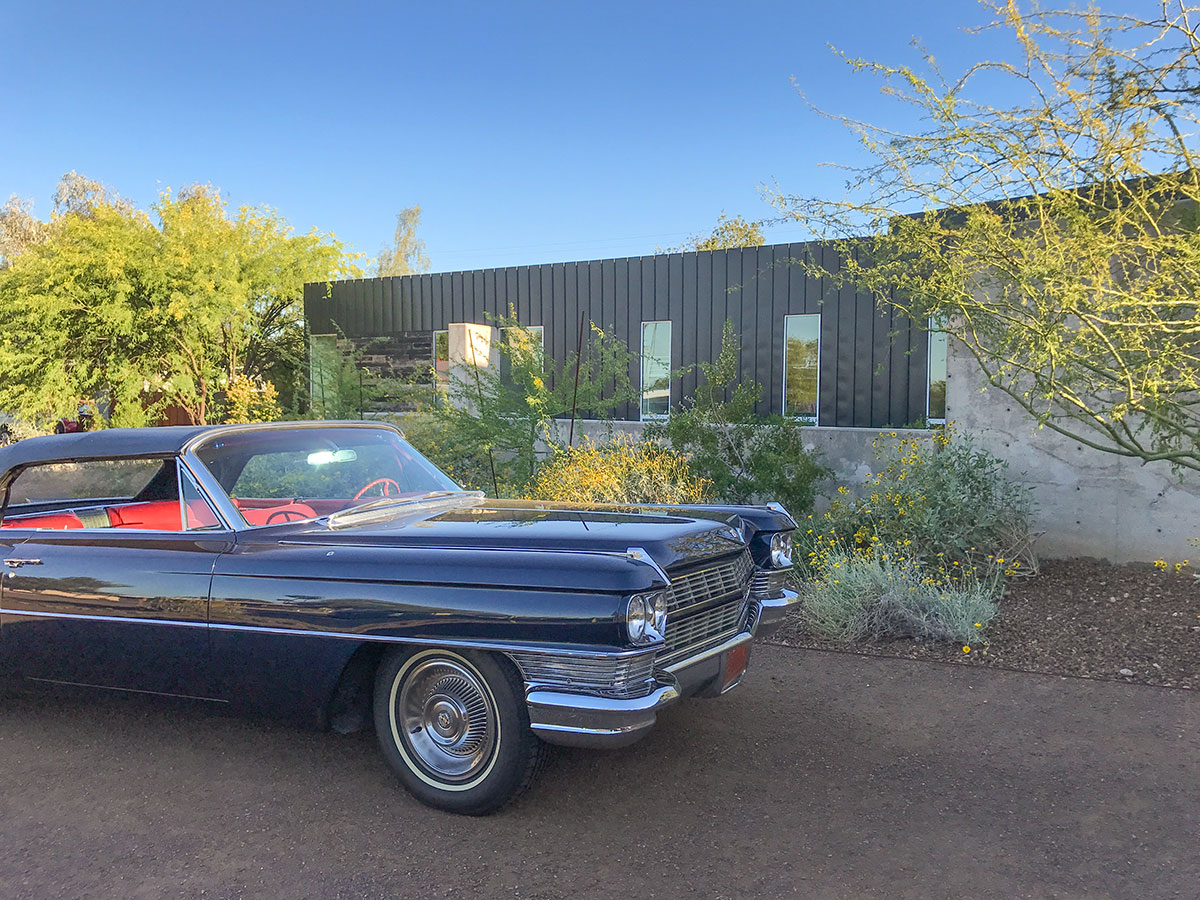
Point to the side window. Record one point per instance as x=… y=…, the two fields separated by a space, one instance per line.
x=197 y=514
x=141 y=494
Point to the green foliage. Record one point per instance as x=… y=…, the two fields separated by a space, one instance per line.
x=746 y=459
x=406 y=254
x=620 y=471
x=249 y=401
x=944 y=502
x=727 y=235
x=1056 y=236
x=487 y=429
x=881 y=595
x=111 y=306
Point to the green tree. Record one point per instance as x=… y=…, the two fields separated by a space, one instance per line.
x=727 y=235
x=1053 y=233
x=139 y=313
x=406 y=255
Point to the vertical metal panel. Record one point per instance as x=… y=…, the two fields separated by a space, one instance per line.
x=595 y=276
x=784 y=270
x=570 y=307
x=747 y=298
x=637 y=315
x=513 y=300
x=388 y=322
x=673 y=291
x=763 y=326
x=822 y=299
x=720 y=300
x=523 y=295
x=621 y=317
x=693 y=310
x=489 y=292
x=863 y=357
x=558 y=349
x=882 y=366
x=458 y=303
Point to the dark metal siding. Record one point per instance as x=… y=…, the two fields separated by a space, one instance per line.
x=872 y=361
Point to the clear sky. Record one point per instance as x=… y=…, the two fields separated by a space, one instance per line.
x=528 y=132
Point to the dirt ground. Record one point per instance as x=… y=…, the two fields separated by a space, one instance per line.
x=824 y=775
x=1079 y=617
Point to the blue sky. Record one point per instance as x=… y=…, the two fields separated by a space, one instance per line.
x=528 y=132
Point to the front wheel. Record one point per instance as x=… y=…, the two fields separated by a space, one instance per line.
x=455 y=729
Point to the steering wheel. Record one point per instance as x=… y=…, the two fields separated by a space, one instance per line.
x=386 y=483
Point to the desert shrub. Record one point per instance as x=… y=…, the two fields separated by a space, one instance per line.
x=747 y=459
x=941 y=502
x=881 y=593
x=621 y=471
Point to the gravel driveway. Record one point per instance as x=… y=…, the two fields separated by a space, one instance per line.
x=823 y=776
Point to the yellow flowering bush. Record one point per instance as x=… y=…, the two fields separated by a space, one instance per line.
x=621 y=471
x=881 y=593
x=249 y=400
x=945 y=501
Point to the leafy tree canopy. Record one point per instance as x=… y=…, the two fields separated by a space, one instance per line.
x=138 y=312
x=727 y=235
x=1054 y=235
x=406 y=254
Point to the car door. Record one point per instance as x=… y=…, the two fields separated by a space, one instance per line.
x=122 y=605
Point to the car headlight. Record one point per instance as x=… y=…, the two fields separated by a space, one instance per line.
x=646 y=617
x=781 y=550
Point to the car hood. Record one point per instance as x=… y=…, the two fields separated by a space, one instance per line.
x=670 y=537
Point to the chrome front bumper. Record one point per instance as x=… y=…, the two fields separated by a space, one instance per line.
x=586 y=720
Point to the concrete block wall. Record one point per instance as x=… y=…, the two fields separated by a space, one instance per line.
x=1089 y=503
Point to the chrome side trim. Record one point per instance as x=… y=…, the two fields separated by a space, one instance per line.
x=342 y=635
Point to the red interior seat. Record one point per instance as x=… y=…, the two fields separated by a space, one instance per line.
x=43 y=520
x=159 y=515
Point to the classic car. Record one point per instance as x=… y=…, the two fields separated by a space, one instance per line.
x=327 y=570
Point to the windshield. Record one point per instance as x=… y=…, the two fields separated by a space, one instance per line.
x=281 y=475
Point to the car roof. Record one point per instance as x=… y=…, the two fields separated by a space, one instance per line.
x=112 y=443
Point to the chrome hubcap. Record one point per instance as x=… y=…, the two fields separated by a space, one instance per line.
x=447 y=719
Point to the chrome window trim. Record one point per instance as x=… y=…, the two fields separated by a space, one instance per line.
x=342 y=635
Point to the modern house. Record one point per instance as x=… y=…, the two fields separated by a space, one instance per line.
x=832 y=357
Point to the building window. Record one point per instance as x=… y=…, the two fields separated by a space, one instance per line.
x=441 y=359
x=935 y=409
x=513 y=339
x=656 y=370
x=801 y=366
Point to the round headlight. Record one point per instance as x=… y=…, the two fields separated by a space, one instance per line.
x=781 y=550
x=635 y=620
x=658 y=613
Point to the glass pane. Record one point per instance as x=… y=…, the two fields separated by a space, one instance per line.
x=121 y=479
x=801 y=365
x=937 y=375
x=199 y=514
x=656 y=369
x=441 y=358
x=325 y=367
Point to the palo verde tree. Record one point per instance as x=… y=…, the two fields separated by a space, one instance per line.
x=727 y=235
x=1054 y=234
x=140 y=312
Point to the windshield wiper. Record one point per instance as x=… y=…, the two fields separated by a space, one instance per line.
x=384 y=505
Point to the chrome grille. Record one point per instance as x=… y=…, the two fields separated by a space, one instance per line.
x=622 y=677
x=703 y=628
x=708 y=583
x=707 y=605
x=770 y=582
